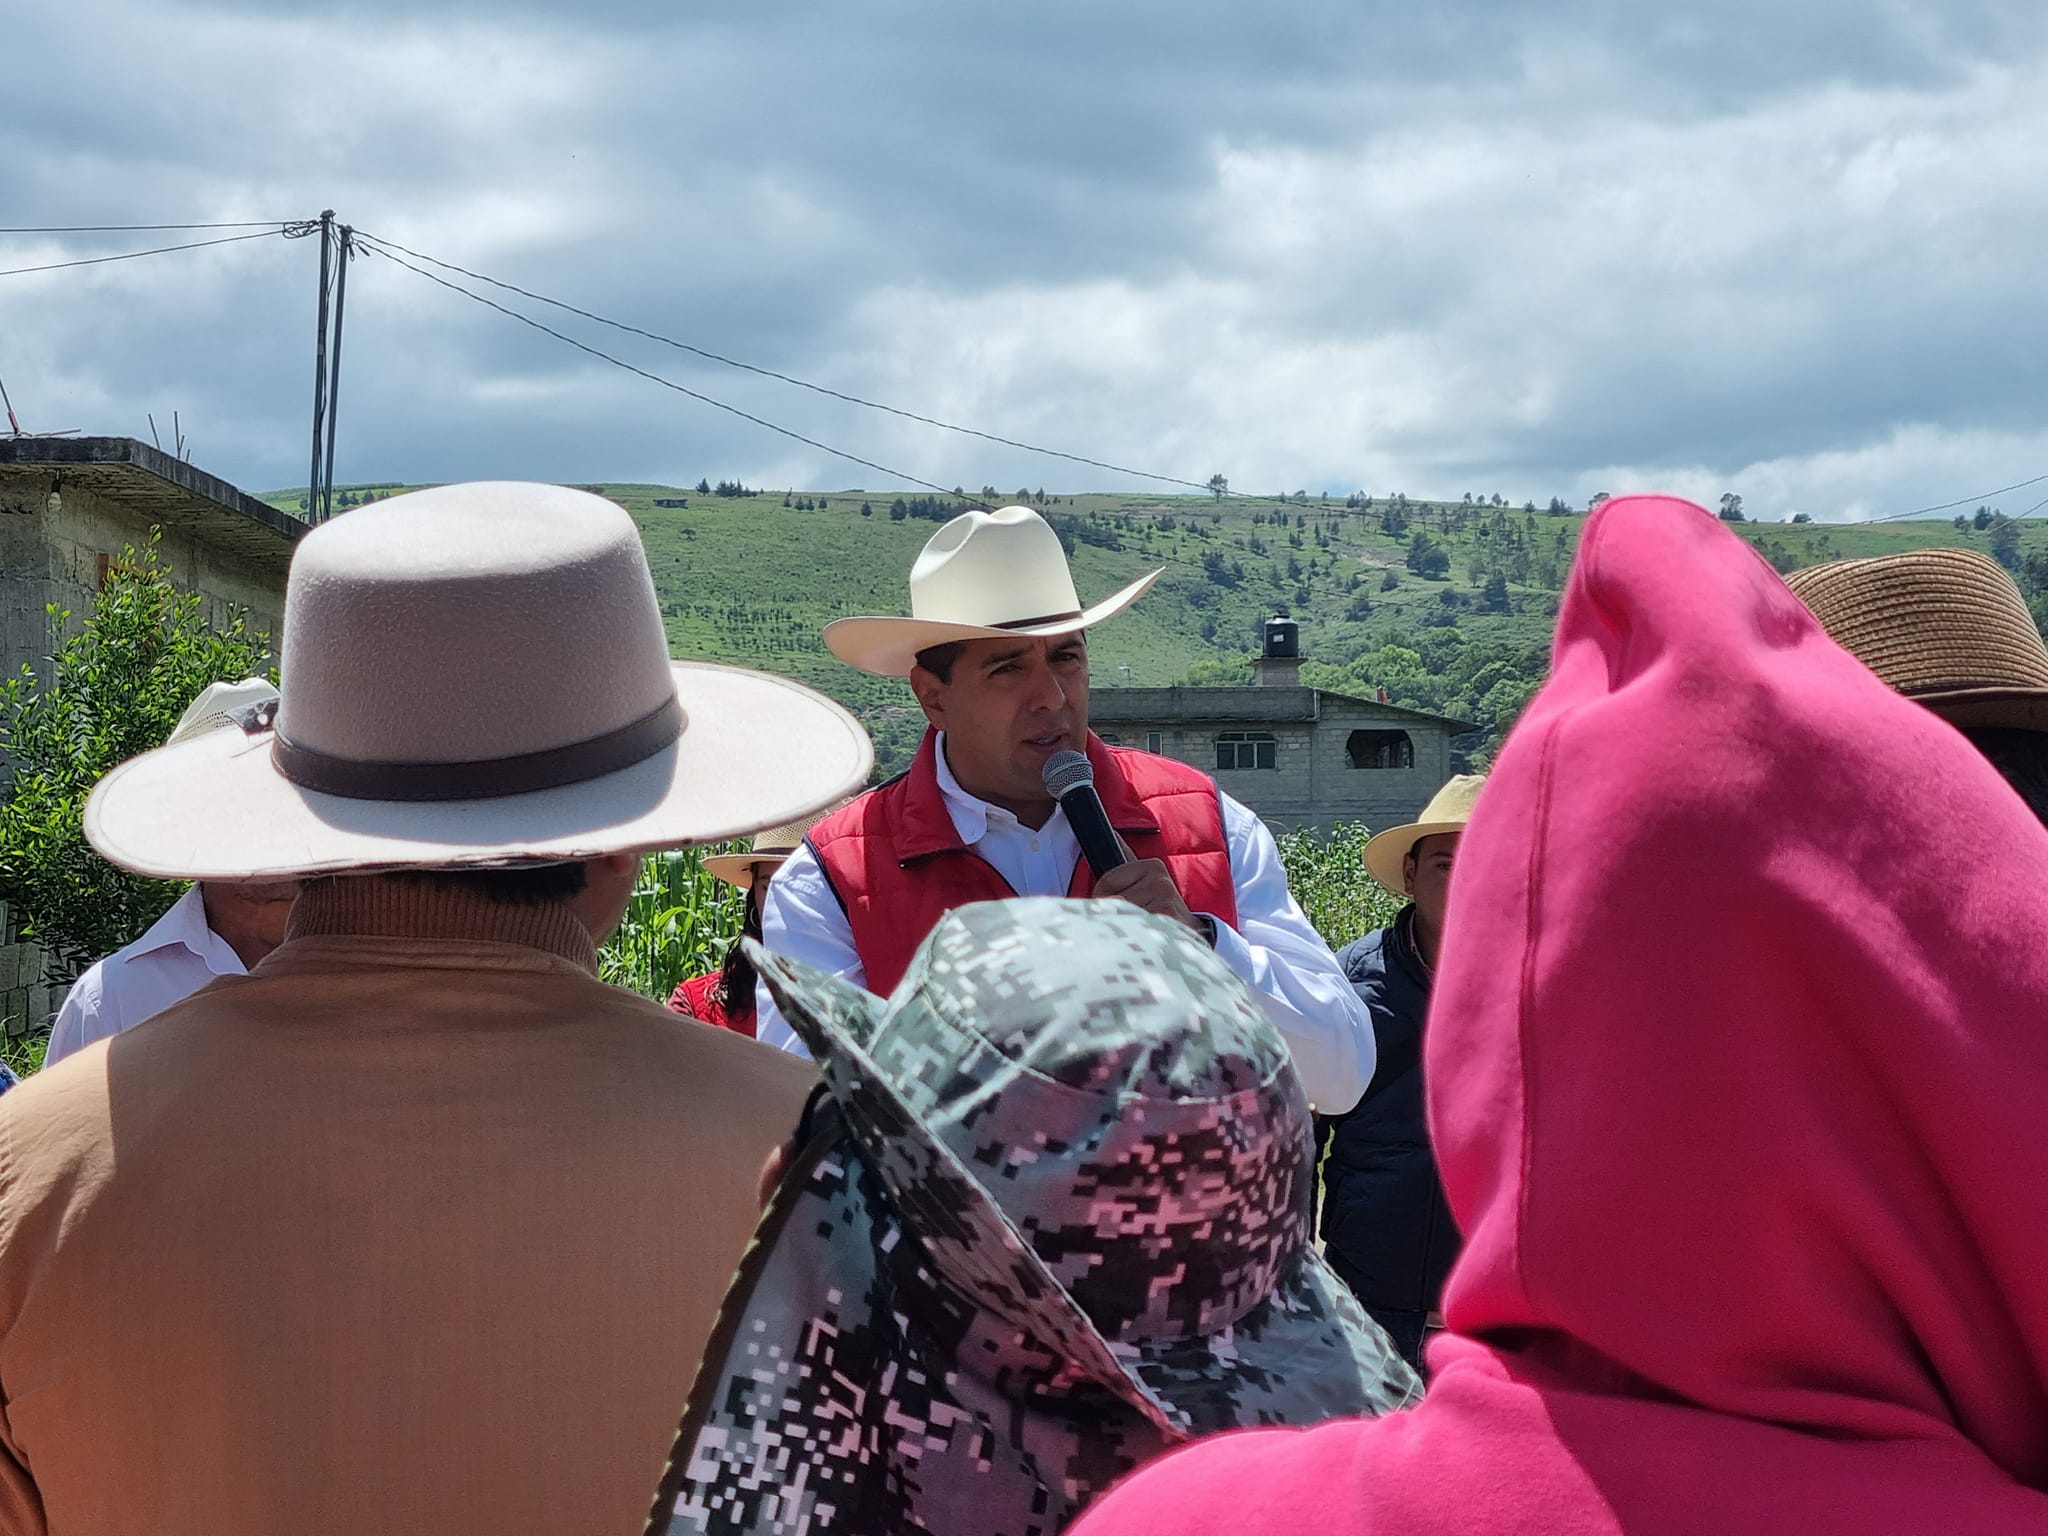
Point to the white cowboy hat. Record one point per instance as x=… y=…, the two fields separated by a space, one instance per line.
x=476 y=676
x=1448 y=811
x=770 y=847
x=983 y=576
x=217 y=706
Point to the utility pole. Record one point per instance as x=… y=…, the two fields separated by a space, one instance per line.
x=345 y=250
x=313 y=512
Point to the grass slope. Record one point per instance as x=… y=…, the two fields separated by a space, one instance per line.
x=751 y=580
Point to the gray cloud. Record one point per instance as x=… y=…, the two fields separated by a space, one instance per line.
x=1532 y=249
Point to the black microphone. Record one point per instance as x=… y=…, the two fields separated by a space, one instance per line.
x=1070 y=779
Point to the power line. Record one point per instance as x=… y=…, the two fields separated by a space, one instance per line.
x=1950 y=506
x=770 y=373
x=124 y=229
x=365 y=243
x=162 y=250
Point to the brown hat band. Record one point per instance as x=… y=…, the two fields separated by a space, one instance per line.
x=1043 y=618
x=486 y=778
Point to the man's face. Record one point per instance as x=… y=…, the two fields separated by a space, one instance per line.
x=1009 y=706
x=1426 y=875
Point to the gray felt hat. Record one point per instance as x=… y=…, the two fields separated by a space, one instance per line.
x=1058 y=1223
x=476 y=676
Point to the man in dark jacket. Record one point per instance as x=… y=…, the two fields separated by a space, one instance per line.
x=1386 y=1228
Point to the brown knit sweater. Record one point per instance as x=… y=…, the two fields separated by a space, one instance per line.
x=417 y=1228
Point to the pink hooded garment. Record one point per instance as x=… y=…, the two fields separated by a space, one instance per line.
x=1738 y=1073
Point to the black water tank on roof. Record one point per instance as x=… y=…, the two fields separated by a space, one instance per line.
x=1283 y=637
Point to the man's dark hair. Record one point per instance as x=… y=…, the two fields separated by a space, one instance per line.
x=531 y=887
x=2022 y=756
x=938 y=659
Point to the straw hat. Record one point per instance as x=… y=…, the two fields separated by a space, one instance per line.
x=985 y=575
x=476 y=675
x=217 y=706
x=1059 y=1209
x=770 y=847
x=1945 y=627
x=1448 y=811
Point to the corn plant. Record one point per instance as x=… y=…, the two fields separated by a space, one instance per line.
x=681 y=919
x=678 y=924
x=1328 y=878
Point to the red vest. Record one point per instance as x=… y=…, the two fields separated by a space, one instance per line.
x=897 y=865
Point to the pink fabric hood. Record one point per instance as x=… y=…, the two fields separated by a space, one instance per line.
x=1738 y=1064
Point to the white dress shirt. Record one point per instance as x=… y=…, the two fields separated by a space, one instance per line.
x=177 y=956
x=1272 y=947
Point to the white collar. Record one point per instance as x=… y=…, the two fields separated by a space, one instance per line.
x=184 y=925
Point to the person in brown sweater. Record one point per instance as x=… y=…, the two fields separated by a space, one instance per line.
x=418 y=1227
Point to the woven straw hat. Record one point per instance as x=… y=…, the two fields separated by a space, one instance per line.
x=983 y=576
x=1945 y=627
x=769 y=847
x=217 y=706
x=1448 y=811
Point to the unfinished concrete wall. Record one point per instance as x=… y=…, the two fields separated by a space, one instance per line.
x=56 y=538
x=55 y=541
x=1313 y=781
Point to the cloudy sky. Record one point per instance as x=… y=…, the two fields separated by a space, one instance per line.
x=1790 y=248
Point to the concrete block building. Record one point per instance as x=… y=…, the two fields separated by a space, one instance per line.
x=1299 y=756
x=68 y=507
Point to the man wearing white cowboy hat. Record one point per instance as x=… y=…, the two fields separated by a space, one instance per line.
x=214 y=929
x=418 y=1226
x=996 y=652
x=1387 y=1229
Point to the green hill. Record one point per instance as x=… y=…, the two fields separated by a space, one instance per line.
x=754 y=578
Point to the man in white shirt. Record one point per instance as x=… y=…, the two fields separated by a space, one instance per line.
x=214 y=929
x=996 y=655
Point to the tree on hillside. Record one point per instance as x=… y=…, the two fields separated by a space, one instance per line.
x=703 y=487
x=1218 y=487
x=2005 y=542
x=1215 y=672
x=117 y=687
x=1731 y=508
x=1982 y=519
x=1494 y=597
x=1426 y=558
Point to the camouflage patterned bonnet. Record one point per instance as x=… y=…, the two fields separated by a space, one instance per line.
x=1059 y=1222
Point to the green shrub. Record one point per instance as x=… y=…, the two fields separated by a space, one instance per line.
x=117 y=687
x=1328 y=878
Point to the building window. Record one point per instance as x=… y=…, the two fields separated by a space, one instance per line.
x=1110 y=738
x=1155 y=743
x=1245 y=749
x=1380 y=749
